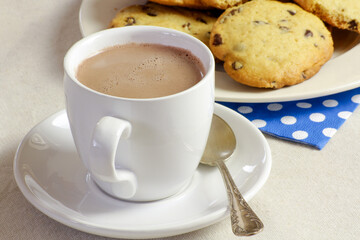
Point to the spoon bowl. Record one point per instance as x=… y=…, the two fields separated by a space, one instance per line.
x=220 y=146
x=221 y=142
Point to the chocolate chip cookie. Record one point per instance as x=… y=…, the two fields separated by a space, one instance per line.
x=344 y=14
x=270 y=44
x=195 y=23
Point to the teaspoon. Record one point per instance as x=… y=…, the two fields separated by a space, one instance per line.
x=220 y=146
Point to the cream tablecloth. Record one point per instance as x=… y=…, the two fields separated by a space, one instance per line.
x=310 y=194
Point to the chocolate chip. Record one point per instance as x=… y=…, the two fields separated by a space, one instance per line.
x=237 y=65
x=130 y=21
x=292 y=12
x=284 y=28
x=201 y=20
x=353 y=25
x=149 y=11
x=152 y=14
x=303 y=75
x=231 y=13
x=217 y=40
x=223 y=19
x=234 y=11
x=308 y=33
x=257 y=22
x=322 y=36
x=186 y=25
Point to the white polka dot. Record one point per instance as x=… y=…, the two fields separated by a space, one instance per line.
x=344 y=114
x=329 y=132
x=304 y=105
x=259 y=123
x=317 y=117
x=245 y=109
x=356 y=98
x=288 y=120
x=274 y=107
x=330 y=103
x=299 y=135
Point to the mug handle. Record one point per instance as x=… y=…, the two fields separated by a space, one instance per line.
x=106 y=136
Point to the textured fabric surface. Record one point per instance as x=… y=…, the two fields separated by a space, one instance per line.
x=310 y=194
x=311 y=121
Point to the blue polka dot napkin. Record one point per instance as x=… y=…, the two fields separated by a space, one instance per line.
x=311 y=121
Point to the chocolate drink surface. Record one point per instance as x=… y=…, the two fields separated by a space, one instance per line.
x=140 y=70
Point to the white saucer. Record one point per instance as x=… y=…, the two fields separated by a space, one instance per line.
x=52 y=178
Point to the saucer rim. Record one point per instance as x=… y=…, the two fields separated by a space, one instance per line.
x=152 y=231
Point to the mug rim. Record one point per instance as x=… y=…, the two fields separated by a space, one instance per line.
x=147 y=29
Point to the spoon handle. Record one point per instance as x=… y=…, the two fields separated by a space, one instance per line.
x=244 y=221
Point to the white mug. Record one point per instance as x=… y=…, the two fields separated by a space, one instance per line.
x=139 y=149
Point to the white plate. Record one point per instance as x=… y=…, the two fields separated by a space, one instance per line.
x=339 y=74
x=52 y=178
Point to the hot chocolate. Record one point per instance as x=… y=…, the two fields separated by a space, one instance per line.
x=140 y=70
